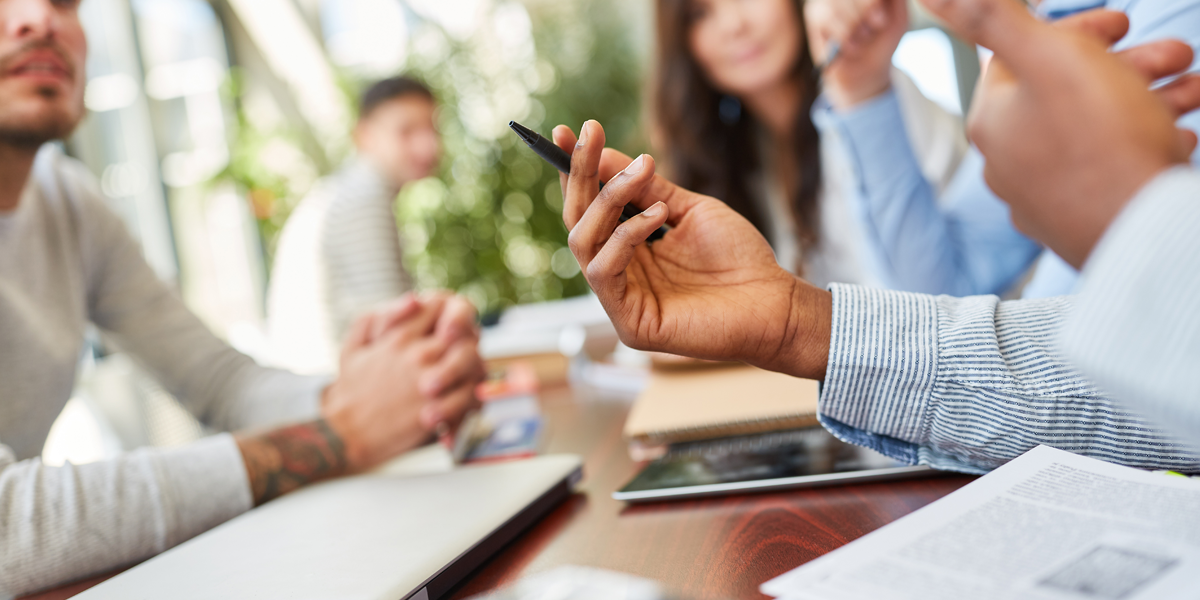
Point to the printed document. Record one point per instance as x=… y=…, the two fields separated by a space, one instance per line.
x=1049 y=525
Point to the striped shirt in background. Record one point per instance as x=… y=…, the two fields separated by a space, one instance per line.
x=339 y=256
x=967 y=384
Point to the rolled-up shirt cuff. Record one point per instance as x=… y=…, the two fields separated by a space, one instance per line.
x=204 y=484
x=882 y=368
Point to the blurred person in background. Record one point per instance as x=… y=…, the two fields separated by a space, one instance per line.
x=738 y=101
x=67 y=264
x=961 y=241
x=1091 y=162
x=340 y=254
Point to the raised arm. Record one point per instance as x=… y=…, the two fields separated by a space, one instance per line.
x=960 y=243
x=895 y=142
x=965 y=384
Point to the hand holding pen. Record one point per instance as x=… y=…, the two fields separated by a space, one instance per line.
x=560 y=160
x=852 y=42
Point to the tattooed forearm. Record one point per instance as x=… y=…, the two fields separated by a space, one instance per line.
x=282 y=460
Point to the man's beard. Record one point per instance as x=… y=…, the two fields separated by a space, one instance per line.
x=54 y=121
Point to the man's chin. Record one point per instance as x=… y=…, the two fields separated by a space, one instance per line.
x=33 y=132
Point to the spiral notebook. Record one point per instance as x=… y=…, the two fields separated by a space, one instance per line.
x=680 y=406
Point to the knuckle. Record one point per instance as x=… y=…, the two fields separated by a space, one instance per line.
x=621 y=235
x=573 y=241
x=596 y=270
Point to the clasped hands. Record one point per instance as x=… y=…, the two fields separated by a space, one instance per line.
x=408 y=372
x=710 y=288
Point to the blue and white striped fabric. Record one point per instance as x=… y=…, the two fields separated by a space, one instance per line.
x=968 y=384
x=1137 y=327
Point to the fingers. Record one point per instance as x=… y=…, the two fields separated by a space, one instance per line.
x=449 y=409
x=460 y=364
x=418 y=325
x=661 y=189
x=584 y=182
x=360 y=333
x=1004 y=26
x=565 y=138
x=1181 y=96
x=1156 y=60
x=1109 y=26
x=599 y=220
x=606 y=273
x=393 y=313
x=457 y=321
x=847 y=22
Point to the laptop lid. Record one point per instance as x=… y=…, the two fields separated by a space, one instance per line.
x=371 y=537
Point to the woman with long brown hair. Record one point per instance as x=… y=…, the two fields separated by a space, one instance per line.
x=736 y=101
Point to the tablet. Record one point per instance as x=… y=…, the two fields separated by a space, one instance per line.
x=783 y=460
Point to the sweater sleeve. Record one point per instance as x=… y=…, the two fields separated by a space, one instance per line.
x=59 y=524
x=968 y=384
x=222 y=387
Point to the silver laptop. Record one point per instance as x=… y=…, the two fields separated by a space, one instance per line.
x=373 y=537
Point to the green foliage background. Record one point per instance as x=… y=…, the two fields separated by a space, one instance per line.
x=490 y=224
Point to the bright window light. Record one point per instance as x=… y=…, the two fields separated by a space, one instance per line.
x=369 y=36
x=927 y=57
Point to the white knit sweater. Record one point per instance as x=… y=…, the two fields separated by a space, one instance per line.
x=66 y=261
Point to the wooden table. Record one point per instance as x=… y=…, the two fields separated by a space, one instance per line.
x=709 y=548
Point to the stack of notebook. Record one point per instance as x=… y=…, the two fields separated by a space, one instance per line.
x=717 y=402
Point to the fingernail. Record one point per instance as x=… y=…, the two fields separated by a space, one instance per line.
x=583 y=134
x=635 y=167
x=430 y=416
x=655 y=211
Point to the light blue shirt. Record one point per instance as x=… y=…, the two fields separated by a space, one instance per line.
x=968 y=384
x=965 y=244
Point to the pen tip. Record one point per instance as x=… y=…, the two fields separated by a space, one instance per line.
x=527 y=134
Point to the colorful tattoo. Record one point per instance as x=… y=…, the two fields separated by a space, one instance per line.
x=285 y=459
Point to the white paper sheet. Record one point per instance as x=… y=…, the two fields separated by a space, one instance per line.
x=1049 y=525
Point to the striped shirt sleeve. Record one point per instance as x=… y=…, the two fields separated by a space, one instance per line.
x=1137 y=329
x=967 y=384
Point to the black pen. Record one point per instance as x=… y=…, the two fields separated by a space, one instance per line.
x=560 y=160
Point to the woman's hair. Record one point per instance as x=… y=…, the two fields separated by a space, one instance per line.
x=716 y=156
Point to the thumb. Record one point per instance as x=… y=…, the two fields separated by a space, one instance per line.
x=1005 y=27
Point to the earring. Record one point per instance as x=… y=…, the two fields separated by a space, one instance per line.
x=729 y=109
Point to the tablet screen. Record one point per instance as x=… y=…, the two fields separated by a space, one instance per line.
x=788 y=455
